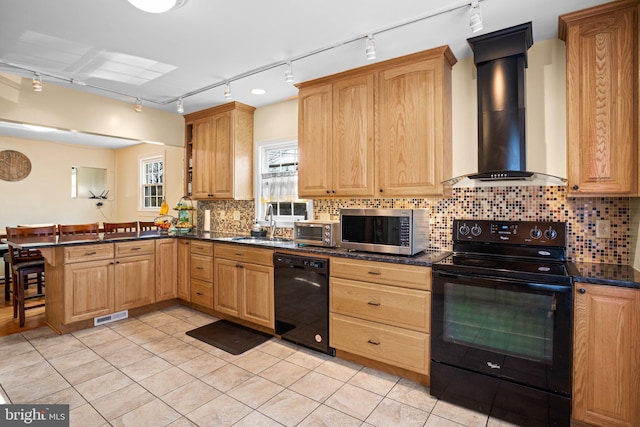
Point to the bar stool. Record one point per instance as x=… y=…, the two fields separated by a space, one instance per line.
x=120 y=227
x=26 y=262
x=78 y=229
x=7 y=274
x=147 y=225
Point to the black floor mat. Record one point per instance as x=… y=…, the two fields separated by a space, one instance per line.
x=228 y=336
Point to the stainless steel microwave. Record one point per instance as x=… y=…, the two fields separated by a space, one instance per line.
x=317 y=233
x=392 y=231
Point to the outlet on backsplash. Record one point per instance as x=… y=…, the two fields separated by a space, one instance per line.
x=603 y=229
x=236 y=215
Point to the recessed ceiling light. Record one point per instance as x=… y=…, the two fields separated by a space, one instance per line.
x=157 y=6
x=258 y=91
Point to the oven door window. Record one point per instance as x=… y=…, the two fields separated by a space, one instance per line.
x=519 y=324
x=313 y=233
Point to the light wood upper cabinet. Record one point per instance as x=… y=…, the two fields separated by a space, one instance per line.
x=606 y=355
x=602 y=106
x=393 y=117
x=415 y=128
x=336 y=138
x=221 y=150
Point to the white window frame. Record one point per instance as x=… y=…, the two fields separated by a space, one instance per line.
x=260 y=164
x=143 y=162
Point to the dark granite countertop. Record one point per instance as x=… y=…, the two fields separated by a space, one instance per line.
x=605 y=274
x=425 y=258
x=75 y=240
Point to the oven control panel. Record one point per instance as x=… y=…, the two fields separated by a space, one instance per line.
x=531 y=233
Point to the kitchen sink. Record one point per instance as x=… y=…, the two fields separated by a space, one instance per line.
x=264 y=241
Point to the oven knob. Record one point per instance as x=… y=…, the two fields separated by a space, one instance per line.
x=535 y=233
x=550 y=233
x=476 y=230
x=464 y=229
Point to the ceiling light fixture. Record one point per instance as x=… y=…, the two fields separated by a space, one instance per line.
x=138 y=105
x=371 y=47
x=157 y=6
x=475 y=17
x=180 y=106
x=36 y=84
x=288 y=74
x=258 y=91
x=227 y=92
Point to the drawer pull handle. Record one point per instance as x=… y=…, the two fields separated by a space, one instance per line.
x=375 y=304
x=375 y=273
x=200 y=267
x=199 y=293
x=239 y=254
x=373 y=342
x=136 y=248
x=90 y=253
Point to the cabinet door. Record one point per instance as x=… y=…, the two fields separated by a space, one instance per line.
x=88 y=290
x=226 y=298
x=184 y=269
x=221 y=168
x=606 y=355
x=166 y=269
x=602 y=74
x=257 y=295
x=203 y=158
x=134 y=282
x=314 y=141
x=353 y=136
x=412 y=129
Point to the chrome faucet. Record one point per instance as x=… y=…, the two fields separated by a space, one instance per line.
x=272 y=223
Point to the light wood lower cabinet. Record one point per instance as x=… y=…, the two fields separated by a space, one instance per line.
x=88 y=290
x=201 y=273
x=381 y=311
x=606 y=355
x=184 y=269
x=244 y=283
x=166 y=269
x=134 y=275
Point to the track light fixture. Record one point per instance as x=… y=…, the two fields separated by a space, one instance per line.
x=371 y=48
x=475 y=17
x=288 y=74
x=36 y=84
x=227 y=92
x=180 y=106
x=138 y=105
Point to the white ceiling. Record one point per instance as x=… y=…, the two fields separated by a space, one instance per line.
x=160 y=57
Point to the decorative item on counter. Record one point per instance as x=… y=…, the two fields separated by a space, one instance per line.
x=185 y=214
x=164 y=207
x=165 y=222
x=257 y=231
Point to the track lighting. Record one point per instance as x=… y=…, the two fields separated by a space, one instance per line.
x=138 y=105
x=371 y=47
x=288 y=74
x=475 y=17
x=227 y=92
x=180 y=106
x=36 y=84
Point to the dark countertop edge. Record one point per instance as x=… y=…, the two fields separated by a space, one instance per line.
x=604 y=274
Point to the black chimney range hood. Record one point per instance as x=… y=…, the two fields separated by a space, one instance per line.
x=501 y=59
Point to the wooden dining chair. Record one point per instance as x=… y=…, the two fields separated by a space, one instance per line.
x=120 y=227
x=25 y=263
x=147 y=225
x=78 y=229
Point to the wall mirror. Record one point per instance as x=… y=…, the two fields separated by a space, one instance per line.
x=88 y=183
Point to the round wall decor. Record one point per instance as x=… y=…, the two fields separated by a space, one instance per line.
x=14 y=166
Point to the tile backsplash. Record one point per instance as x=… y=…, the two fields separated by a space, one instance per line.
x=494 y=203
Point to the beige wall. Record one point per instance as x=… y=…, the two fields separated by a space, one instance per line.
x=276 y=122
x=68 y=109
x=128 y=176
x=45 y=195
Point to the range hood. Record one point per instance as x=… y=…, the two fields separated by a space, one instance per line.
x=501 y=59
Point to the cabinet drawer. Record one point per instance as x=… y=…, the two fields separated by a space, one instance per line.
x=88 y=253
x=411 y=276
x=202 y=293
x=407 y=308
x=202 y=268
x=400 y=347
x=245 y=254
x=201 y=248
x=134 y=248
x=395 y=346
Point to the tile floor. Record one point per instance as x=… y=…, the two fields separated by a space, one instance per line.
x=146 y=371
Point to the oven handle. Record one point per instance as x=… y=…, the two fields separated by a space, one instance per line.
x=531 y=285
